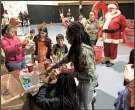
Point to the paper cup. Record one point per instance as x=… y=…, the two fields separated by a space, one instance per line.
x=47 y=64
x=30 y=67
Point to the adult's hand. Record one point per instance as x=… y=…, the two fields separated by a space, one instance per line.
x=48 y=70
x=53 y=81
x=46 y=80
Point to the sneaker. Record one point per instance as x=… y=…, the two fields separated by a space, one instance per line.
x=95 y=94
x=109 y=64
x=97 y=88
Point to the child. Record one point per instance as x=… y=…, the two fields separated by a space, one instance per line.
x=14 y=49
x=30 y=49
x=60 y=49
x=32 y=34
x=42 y=44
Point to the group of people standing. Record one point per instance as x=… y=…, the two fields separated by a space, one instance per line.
x=110 y=33
x=24 y=17
x=82 y=38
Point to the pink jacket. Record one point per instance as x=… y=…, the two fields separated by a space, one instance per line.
x=13 y=52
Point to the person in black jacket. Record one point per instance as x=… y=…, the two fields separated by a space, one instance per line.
x=64 y=97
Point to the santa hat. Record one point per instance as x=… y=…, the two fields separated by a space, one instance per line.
x=114 y=5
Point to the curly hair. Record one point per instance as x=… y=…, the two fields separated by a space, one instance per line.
x=66 y=87
x=76 y=32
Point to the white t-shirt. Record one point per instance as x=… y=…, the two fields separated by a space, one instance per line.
x=61 y=15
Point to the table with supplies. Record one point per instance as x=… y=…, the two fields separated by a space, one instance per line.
x=16 y=83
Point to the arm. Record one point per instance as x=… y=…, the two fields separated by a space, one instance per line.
x=57 y=65
x=97 y=28
x=8 y=49
x=46 y=103
x=123 y=23
x=49 y=45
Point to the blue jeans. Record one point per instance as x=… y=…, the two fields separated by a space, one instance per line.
x=15 y=66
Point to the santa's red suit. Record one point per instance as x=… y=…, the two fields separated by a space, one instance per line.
x=111 y=33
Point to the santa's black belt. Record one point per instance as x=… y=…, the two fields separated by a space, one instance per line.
x=110 y=31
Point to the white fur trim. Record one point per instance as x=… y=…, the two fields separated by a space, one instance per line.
x=109 y=18
x=100 y=39
x=113 y=41
x=111 y=6
x=112 y=61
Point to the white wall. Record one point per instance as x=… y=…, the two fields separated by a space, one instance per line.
x=14 y=7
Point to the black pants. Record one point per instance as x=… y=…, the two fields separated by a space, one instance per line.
x=22 y=23
x=93 y=42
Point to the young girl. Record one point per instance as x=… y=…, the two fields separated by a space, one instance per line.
x=81 y=54
x=43 y=44
x=13 y=48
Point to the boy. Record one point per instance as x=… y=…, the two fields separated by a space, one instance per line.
x=31 y=47
x=32 y=34
x=60 y=49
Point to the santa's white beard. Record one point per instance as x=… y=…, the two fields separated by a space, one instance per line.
x=112 y=13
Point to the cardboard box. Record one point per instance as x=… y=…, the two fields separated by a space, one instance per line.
x=16 y=91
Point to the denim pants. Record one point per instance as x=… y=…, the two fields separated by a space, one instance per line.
x=15 y=66
x=85 y=93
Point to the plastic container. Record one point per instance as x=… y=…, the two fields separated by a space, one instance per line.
x=98 y=52
x=30 y=82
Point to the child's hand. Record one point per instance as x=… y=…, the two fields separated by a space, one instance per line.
x=54 y=57
x=46 y=80
x=25 y=42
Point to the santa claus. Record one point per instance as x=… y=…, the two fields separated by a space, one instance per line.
x=115 y=23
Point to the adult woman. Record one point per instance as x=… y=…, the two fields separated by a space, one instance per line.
x=43 y=44
x=92 y=27
x=61 y=95
x=13 y=48
x=81 y=54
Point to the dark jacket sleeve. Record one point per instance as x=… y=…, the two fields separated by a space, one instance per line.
x=48 y=43
x=46 y=103
x=36 y=43
x=66 y=49
x=53 y=49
